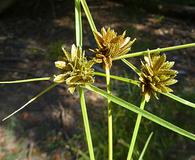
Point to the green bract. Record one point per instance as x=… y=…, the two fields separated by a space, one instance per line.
x=156 y=75
x=110 y=45
x=75 y=69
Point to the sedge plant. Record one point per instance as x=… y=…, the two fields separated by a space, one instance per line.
x=76 y=71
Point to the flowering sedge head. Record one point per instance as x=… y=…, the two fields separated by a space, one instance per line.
x=74 y=68
x=110 y=45
x=156 y=75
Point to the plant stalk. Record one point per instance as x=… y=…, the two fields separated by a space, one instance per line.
x=86 y=123
x=110 y=134
x=135 y=131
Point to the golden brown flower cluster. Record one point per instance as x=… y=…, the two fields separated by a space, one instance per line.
x=110 y=45
x=75 y=69
x=156 y=75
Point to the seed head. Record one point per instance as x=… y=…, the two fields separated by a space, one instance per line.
x=156 y=75
x=110 y=45
x=75 y=69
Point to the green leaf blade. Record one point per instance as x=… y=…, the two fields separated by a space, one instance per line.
x=179 y=99
x=141 y=53
x=145 y=146
x=127 y=80
x=88 y=14
x=30 y=101
x=26 y=80
x=86 y=123
x=145 y=114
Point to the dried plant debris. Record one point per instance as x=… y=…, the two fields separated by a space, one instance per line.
x=110 y=45
x=74 y=68
x=156 y=75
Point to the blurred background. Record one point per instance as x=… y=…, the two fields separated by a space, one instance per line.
x=31 y=35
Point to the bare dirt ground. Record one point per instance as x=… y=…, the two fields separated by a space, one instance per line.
x=25 y=40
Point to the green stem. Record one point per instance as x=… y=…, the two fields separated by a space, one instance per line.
x=89 y=17
x=141 y=53
x=26 y=80
x=31 y=100
x=136 y=129
x=78 y=24
x=110 y=134
x=86 y=123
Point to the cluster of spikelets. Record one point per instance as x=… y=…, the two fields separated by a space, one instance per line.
x=75 y=70
x=110 y=45
x=156 y=75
